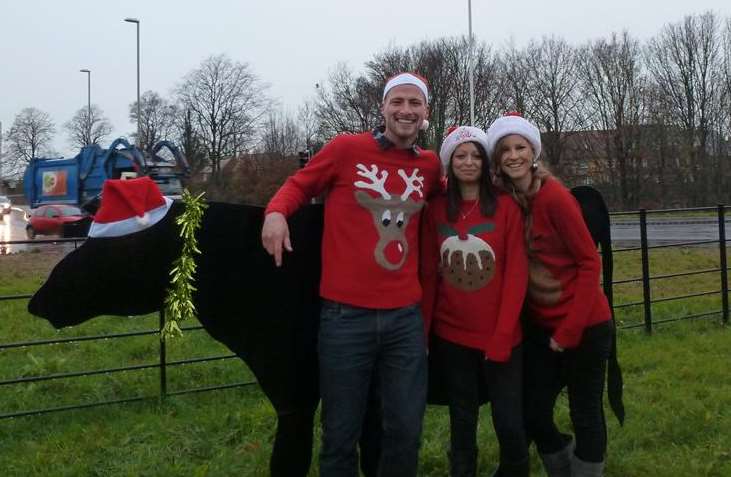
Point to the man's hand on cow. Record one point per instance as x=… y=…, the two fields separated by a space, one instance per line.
x=275 y=235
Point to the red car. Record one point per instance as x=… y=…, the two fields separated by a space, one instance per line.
x=54 y=220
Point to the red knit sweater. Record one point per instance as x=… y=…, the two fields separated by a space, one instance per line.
x=372 y=213
x=474 y=273
x=564 y=294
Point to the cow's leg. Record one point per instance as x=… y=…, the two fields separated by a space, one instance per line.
x=292 y=453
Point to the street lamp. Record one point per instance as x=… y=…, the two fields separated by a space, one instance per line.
x=88 y=103
x=139 y=129
x=472 y=65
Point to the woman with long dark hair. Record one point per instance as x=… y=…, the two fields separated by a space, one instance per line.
x=474 y=274
x=568 y=321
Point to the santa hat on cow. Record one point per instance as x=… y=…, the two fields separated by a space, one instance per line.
x=129 y=206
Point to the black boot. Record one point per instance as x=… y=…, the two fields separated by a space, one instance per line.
x=463 y=463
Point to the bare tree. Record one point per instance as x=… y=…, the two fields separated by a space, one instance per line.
x=157 y=119
x=30 y=134
x=188 y=140
x=514 y=71
x=613 y=87
x=684 y=63
x=226 y=102
x=553 y=98
x=307 y=117
x=282 y=137
x=347 y=104
x=351 y=103
x=84 y=130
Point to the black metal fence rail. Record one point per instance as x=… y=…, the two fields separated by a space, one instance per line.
x=646 y=278
x=163 y=364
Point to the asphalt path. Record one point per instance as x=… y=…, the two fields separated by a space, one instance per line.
x=625 y=232
x=666 y=231
x=12 y=229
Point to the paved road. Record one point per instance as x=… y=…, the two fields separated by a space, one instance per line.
x=12 y=228
x=661 y=231
x=625 y=233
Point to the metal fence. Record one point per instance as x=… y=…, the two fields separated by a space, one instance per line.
x=163 y=364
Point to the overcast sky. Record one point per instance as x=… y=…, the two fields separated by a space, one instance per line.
x=289 y=44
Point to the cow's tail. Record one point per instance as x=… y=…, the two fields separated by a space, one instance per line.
x=596 y=216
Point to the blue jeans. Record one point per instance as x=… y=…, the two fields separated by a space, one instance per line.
x=355 y=342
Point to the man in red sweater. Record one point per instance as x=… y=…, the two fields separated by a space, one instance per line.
x=370 y=325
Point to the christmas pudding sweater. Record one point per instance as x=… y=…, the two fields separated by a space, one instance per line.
x=564 y=294
x=474 y=273
x=375 y=193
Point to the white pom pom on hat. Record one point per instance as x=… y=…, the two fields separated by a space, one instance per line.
x=513 y=123
x=457 y=136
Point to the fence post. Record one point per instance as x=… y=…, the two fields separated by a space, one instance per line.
x=163 y=359
x=646 y=298
x=724 y=263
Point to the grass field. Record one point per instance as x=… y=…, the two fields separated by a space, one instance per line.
x=677 y=392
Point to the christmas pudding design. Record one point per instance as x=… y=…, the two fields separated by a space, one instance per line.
x=467 y=261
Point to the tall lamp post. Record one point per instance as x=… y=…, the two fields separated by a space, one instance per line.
x=472 y=65
x=88 y=104
x=139 y=128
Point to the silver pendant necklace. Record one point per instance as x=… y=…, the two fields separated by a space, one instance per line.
x=466 y=214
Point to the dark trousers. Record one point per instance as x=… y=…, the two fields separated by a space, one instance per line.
x=357 y=345
x=582 y=371
x=465 y=372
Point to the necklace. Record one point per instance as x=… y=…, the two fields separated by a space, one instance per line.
x=465 y=214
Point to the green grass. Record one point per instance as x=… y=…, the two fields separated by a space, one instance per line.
x=677 y=393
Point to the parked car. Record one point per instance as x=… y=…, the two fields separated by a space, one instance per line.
x=5 y=204
x=57 y=220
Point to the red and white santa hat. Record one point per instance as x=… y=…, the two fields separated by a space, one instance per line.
x=407 y=78
x=513 y=123
x=129 y=206
x=457 y=136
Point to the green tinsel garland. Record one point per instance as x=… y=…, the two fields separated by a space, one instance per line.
x=179 y=300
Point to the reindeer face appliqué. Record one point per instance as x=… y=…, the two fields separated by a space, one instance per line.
x=390 y=214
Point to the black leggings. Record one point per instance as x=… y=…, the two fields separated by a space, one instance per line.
x=582 y=371
x=464 y=372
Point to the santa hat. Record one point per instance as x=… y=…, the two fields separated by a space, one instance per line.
x=513 y=123
x=457 y=136
x=407 y=78
x=128 y=206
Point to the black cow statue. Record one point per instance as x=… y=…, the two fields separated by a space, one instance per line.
x=267 y=316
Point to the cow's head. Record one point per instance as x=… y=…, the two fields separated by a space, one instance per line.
x=124 y=276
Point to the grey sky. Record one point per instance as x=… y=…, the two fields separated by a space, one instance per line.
x=289 y=44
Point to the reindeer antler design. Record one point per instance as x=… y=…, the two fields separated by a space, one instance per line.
x=378 y=183
x=414 y=182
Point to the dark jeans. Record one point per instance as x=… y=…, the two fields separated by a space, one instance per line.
x=582 y=371
x=464 y=371
x=355 y=342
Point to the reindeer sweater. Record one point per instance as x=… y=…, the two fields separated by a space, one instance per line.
x=474 y=273
x=564 y=294
x=375 y=193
